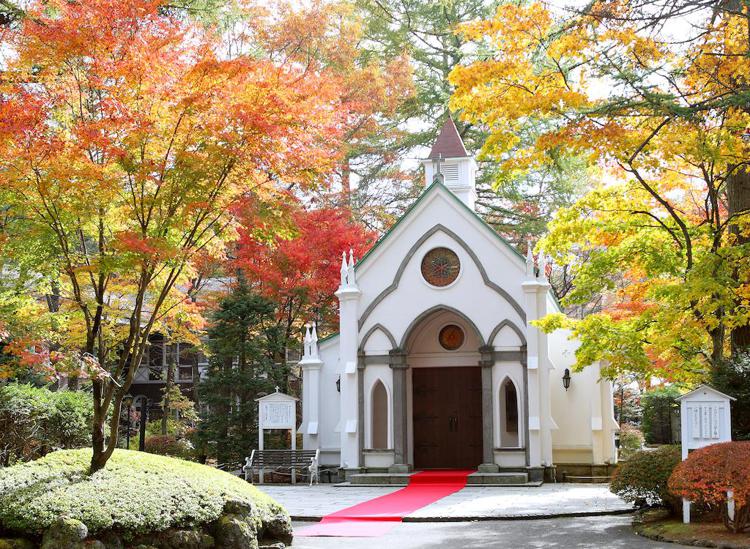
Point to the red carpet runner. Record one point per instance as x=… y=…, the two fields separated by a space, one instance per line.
x=378 y=516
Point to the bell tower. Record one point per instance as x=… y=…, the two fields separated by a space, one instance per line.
x=451 y=165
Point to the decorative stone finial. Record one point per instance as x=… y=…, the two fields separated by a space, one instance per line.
x=351 y=277
x=529 y=259
x=542 y=265
x=344 y=269
x=314 y=341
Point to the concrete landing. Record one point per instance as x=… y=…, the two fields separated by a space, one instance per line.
x=475 y=503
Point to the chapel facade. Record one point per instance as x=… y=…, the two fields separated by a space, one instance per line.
x=436 y=363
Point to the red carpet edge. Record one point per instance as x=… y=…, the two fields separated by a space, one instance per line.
x=378 y=516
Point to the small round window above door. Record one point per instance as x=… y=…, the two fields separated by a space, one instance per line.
x=451 y=337
x=440 y=267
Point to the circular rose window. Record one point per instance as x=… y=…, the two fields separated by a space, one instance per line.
x=451 y=337
x=440 y=266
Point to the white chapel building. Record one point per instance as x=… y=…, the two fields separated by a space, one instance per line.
x=436 y=364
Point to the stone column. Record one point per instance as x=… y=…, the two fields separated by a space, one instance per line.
x=397 y=362
x=310 y=366
x=348 y=294
x=486 y=362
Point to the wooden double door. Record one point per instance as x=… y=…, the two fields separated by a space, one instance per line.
x=447 y=417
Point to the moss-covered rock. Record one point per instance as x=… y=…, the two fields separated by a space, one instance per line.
x=64 y=533
x=16 y=543
x=235 y=531
x=278 y=528
x=136 y=495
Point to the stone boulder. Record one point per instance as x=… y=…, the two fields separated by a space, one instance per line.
x=278 y=528
x=234 y=531
x=16 y=543
x=68 y=533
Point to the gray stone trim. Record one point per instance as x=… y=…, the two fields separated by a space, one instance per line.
x=486 y=362
x=399 y=366
x=432 y=310
x=508 y=356
x=486 y=356
x=524 y=364
x=399 y=273
x=361 y=405
x=376 y=359
x=397 y=358
x=372 y=330
x=503 y=324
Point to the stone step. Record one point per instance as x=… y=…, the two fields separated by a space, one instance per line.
x=475 y=479
x=503 y=479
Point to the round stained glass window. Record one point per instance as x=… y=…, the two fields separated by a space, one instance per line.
x=440 y=266
x=451 y=337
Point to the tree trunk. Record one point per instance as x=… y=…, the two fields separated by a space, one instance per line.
x=738 y=201
x=166 y=410
x=98 y=441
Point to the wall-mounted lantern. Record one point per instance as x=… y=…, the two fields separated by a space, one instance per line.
x=566 y=379
x=338 y=384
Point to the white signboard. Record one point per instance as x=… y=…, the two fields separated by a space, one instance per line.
x=704 y=420
x=277 y=411
x=277 y=415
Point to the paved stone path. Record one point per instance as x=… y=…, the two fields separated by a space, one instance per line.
x=607 y=532
x=470 y=503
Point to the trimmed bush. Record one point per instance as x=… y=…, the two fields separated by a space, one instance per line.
x=708 y=473
x=643 y=479
x=35 y=421
x=631 y=440
x=170 y=445
x=135 y=493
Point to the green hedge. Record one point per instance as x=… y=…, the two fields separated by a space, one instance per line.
x=660 y=409
x=135 y=493
x=35 y=421
x=643 y=478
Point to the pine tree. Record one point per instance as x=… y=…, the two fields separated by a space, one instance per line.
x=242 y=339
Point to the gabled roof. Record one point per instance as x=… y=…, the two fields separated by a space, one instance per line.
x=276 y=396
x=448 y=143
x=428 y=191
x=704 y=387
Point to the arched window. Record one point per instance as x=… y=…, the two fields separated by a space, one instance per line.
x=379 y=416
x=509 y=415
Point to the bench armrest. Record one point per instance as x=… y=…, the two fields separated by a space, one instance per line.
x=248 y=467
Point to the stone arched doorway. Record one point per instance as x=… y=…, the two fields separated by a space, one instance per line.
x=446 y=391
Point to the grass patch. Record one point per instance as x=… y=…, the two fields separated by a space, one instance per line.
x=135 y=493
x=702 y=534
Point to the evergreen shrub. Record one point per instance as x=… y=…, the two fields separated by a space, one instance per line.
x=643 y=479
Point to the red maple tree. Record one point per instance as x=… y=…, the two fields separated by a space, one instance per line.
x=300 y=270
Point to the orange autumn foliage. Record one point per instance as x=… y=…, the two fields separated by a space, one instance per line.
x=708 y=473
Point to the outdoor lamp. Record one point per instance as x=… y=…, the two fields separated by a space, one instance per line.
x=338 y=384
x=127 y=400
x=566 y=379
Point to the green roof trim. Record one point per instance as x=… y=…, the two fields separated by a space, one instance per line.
x=326 y=338
x=413 y=206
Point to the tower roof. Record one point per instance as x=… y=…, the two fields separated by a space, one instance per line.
x=449 y=143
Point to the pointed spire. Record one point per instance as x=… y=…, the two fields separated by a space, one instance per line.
x=314 y=341
x=351 y=276
x=306 y=344
x=448 y=143
x=344 y=269
x=310 y=352
x=542 y=265
x=529 y=259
